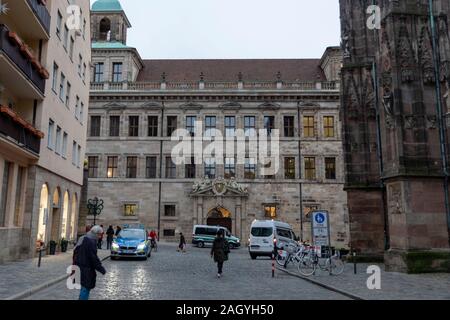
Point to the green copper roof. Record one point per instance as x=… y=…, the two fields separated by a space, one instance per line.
x=107 y=5
x=109 y=45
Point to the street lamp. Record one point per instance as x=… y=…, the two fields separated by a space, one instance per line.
x=95 y=207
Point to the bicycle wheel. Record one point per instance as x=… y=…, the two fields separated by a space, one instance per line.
x=307 y=266
x=281 y=258
x=337 y=266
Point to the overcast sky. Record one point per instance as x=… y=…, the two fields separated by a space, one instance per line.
x=224 y=29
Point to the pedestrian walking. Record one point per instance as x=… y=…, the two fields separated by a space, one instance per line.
x=85 y=257
x=220 y=251
x=100 y=239
x=118 y=229
x=109 y=237
x=182 y=245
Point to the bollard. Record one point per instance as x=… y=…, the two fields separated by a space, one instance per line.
x=40 y=257
x=273 y=265
x=354 y=262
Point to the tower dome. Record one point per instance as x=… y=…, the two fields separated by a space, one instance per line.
x=107 y=5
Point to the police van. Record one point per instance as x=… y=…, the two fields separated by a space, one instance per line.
x=266 y=234
x=203 y=234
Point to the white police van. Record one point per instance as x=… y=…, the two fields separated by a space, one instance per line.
x=265 y=234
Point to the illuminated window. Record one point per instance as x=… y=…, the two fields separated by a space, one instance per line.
x=310 y=168
x=328 y=126
x=130 y=210
x=308 y=126
x=112 y=167
x=270 y=212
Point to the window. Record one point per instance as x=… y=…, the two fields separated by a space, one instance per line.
x=230 y=126
x=98 y=72
x=150 y=170
x=169 y=210
x=269 y=124
x=95 y=126
x=210 y=168
x=210 y=126
x=84 y=28
x=131 y=167
x=288 y=126
x=74 y=153
x=81 y=112
x=80 y=62
x=153 y=126
x=133 y=126
x=289 y=168
x=19 y=196
x=59 y=24
x=250 y=168
x=330 y=168
x=66 y=36
x=308 y=126
x=58 y=140
x=310 y=168
x=190 y=169
x=171 y=169
x=129 y=210
x=169 y=232
x=270 y=212
x=64 y=145
x=72 y=44
x=79 y=156
x=114 y=126
x=328 y=126
x=55 y=77
x=77 y=107
x=61 y=87
x=50 y=133
x=117 y=72
x=171 y=125
x=4 y=194
x=250 y=126
x=112 y=167
x=84 y=71
x=190 y=125
x=69 y=88
x=93 y=167
x=230 y=168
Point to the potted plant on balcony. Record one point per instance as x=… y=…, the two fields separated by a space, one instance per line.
x=64 y=244
x=52 y=247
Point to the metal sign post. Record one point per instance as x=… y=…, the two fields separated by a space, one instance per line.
x=320 y=229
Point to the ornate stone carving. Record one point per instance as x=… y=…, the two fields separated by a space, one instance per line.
x=218 y=187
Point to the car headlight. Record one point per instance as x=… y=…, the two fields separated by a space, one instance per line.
x=238 y=240
x=141 y=246
x=115 y=246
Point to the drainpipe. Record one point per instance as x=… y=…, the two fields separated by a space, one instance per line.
x=160 y=169
x=442 y=140
x=300 y=185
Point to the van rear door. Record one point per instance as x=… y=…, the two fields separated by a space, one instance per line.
x=261 y=239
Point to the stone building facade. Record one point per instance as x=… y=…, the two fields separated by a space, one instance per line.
x=395 y=82
x=135 y=105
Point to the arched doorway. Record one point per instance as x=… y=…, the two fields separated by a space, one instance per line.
x=65 y=216
x=73 y=217
x=43 y=215
x=220 y=216
x=56 y=214
x=105 y=28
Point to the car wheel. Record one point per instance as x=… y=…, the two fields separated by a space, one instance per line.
x=253 y=256
x=113 y=258
x=149 y=254
x=232 y=246
x=200 y=244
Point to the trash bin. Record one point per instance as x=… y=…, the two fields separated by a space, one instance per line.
x=64 y=245
x=52 y=248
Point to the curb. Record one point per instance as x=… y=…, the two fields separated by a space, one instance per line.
x=323 y=285
x=34 y=290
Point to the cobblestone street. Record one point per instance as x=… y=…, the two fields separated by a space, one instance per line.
x=175 y=276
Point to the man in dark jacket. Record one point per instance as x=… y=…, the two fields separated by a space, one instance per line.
x=85 y=257
x=109 y=237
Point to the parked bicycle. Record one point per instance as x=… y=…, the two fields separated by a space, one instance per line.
x=311 y=261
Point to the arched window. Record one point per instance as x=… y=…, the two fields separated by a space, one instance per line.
x=105 y=28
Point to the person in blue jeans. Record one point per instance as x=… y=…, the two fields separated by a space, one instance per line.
x=85 y=257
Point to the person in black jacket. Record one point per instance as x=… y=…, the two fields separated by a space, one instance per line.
x=85 y=257
x=109 y=237
x=219 y=251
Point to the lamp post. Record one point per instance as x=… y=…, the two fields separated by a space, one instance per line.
x=95 y=207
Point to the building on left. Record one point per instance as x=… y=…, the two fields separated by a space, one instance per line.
x=44 y=93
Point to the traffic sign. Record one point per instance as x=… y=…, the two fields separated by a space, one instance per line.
x=320 y=228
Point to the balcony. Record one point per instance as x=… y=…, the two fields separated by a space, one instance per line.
x=17 y=132
x=34 y=16
x=20 y=71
